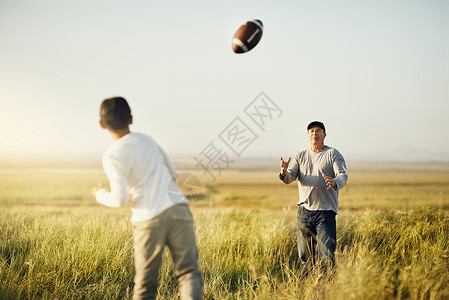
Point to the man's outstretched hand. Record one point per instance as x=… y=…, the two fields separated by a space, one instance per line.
x=330 y=182
x=284 y=166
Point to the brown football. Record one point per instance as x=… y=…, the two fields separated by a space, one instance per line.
x=247 y=36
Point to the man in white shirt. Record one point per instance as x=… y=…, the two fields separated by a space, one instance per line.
x=140 y=172
x=321 y=173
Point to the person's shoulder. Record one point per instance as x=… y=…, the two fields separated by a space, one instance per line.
x=127 y=142
x=145 y=141
x=333 y=151
x=111 y=152
x=137 y=136
x=302 y=153
x=329 y=148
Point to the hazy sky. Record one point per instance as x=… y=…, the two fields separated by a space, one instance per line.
x=375 y=72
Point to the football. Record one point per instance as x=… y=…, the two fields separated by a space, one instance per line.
x=247 y=36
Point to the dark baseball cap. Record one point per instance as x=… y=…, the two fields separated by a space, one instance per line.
x=316 y=124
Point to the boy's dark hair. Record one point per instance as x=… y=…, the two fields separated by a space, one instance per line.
x=115 y=113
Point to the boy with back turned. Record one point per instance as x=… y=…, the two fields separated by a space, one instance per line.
x=139 y=172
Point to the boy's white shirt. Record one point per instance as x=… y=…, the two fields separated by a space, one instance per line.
x=139 y=172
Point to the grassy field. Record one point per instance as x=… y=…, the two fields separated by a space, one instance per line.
x=393 y=238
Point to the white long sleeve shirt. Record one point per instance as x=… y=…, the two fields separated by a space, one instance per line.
x=139 y=172
x=308 y=167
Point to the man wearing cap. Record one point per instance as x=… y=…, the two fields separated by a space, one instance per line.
x=321 y=173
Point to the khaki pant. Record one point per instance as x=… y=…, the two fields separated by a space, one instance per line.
x=174 y=228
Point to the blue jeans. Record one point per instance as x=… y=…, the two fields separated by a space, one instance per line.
x=316 y=228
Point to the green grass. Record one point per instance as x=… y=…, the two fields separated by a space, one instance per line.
x=55 y=242
x=64 y=253
x=79 y=253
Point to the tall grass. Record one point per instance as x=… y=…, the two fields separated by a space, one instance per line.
x=48 y=253
x=86 y=253
x=393 y=255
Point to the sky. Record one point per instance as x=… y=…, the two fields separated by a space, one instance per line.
x=375 y=72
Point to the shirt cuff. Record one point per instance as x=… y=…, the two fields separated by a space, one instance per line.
x=100 y=193
x=336 y=184
x=102 y=197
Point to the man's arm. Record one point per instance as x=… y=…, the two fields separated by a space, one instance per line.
x=288 y=173
x=119 y=193
x=340 y=171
